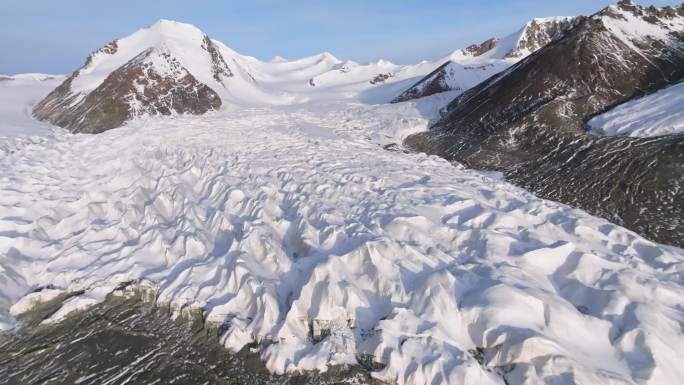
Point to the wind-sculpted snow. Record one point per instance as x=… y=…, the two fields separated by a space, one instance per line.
x=294 y=227
x=659 y=113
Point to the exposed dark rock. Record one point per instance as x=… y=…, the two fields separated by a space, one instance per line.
x=129 y=341
x=219 y=66
x=433 y=83
x=535 y=35
x=109 y=49
x=539 y=33
x=479 y=49
x=529 y=122
x=381 y=78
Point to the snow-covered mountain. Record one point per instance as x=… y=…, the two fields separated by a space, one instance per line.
x=174 y=68
x=529 y=121
x=534 y=35
x=167 y=68
x=469 y=66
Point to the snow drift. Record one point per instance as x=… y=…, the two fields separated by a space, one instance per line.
x=660 y=113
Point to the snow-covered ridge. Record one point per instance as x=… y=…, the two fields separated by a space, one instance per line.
x=468 y=67
x=535 y=34
x=660 y=113
x=636 y=26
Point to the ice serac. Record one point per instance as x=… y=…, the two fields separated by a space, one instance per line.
x=167 y=68
x=469 y=66
x=529 y=121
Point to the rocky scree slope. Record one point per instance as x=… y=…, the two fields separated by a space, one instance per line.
x=168 y=68
x=529 y=121
x=489 y=57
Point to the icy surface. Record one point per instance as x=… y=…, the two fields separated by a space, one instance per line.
x=18 y=95
x=661 y=113
x=293 y=224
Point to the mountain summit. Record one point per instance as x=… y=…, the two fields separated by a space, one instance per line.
x=469 y=66
x=167 y=68
x=537 y=33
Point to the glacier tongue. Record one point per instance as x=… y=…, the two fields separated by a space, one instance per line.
x=292 y=225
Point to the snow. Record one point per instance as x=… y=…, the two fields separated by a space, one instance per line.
x=460 y=78
x=253 y=83
x=509 y=44
x=526 y=33
x=657 y=114
x=186 y=44
x=292 y=224
x=29 y=301
x=18 y=95
x=631 y=29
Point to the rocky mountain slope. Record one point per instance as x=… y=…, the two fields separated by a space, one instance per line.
x=530 y=120
x=467 y=67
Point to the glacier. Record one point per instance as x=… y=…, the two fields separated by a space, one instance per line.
x=294 y=225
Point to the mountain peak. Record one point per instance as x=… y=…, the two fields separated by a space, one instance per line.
x=327 y=56
x=166 y=24
x=636 y=25
x=166 y=68
x=539 y=32
x=535 y=34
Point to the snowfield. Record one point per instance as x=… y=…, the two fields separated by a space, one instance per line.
x=18 y=95
x=657 y=114
x=292 y=224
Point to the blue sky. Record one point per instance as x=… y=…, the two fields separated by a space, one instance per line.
x=55 y=36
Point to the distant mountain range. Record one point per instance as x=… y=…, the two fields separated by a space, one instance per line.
x=533 y=36
x=174 y=68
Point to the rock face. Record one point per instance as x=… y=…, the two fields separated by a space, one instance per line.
x=479 y=49
x=540 y=32
x=475 y=63
x=168 y=68
x=530 y=121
